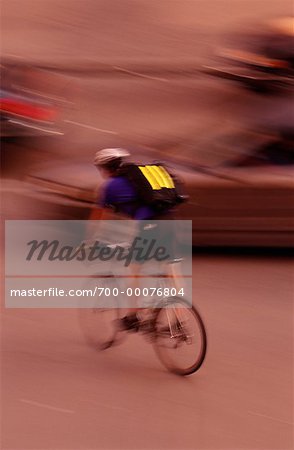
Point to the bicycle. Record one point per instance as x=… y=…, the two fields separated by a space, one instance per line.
x=172 y=325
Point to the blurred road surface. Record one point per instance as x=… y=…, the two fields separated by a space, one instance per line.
x=59 y=394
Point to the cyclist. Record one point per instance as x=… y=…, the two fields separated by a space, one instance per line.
x=120 y=194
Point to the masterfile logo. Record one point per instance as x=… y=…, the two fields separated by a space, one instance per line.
x=59 y=264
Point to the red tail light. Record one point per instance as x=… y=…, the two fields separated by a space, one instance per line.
x=27 y=110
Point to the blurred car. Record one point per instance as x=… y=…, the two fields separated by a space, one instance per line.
x=25 y=109
x=239 y=195
x=260 y=60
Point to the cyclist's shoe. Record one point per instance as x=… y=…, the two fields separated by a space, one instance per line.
x=129 y=323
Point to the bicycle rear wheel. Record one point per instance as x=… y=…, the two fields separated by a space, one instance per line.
x=98 y=327
x=99 y=323
x=180 y=337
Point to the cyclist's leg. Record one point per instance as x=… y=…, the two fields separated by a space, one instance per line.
x=135 y=269
x=146 y=234
x=130 y=321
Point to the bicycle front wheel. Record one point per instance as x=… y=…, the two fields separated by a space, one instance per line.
x=180 y=337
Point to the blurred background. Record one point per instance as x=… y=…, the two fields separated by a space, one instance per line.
x=206 y=87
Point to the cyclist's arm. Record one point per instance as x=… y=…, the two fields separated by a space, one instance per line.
x=97 y=214
x=101 y=210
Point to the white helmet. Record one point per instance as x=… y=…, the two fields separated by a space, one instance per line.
x=107 y=155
